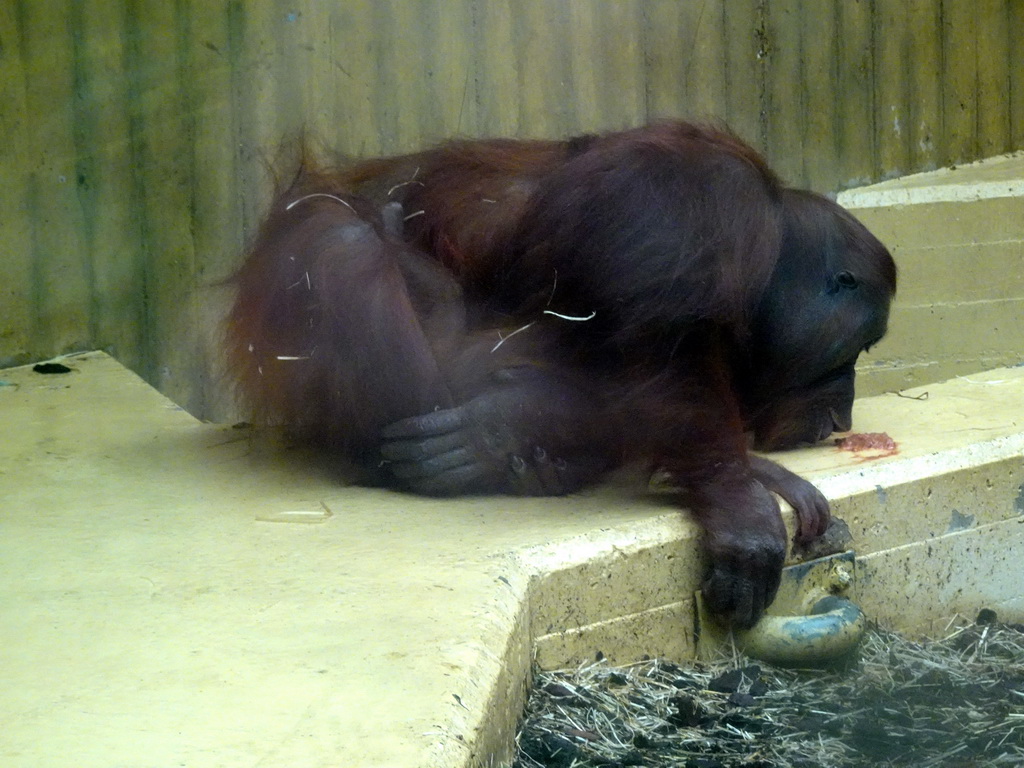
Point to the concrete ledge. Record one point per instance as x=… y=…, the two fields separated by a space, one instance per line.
x=146 y=608
x=994 y=177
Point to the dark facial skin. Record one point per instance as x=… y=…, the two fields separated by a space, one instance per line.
x=828 y=302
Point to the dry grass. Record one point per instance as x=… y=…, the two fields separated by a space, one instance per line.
x=958 y=701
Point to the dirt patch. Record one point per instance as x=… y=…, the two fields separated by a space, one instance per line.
x=958 y=701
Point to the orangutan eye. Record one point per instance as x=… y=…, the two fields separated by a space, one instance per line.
x=846 y=280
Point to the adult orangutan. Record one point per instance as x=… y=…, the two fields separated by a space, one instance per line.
x=501 y=316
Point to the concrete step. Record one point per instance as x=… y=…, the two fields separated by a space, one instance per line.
x=958 y=237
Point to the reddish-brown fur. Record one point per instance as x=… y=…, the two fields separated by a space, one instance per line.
x=549 y=310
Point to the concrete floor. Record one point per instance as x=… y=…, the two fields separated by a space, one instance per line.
x=155 y=610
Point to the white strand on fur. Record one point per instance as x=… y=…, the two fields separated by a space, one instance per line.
x=554 y=286
x=412 y=180
x=293 y=203
x=591 y=316
x=506 y=338
x=300 y=281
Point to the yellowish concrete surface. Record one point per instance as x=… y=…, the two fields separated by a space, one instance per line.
x=1001 y=176
x=918 y=587
x=150 y=613
x=957 y=235
x=146 y=615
